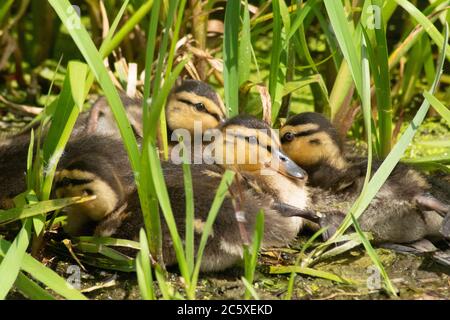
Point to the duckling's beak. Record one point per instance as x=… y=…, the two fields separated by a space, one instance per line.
x=288 y=167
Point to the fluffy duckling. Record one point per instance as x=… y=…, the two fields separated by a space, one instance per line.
x=279 y=189
x=192 y=105
x=100 y=118
x=93 y=165
x=90 y=165
x=403 y=210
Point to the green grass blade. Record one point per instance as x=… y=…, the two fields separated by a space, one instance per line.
x=438 y=106
x=230 y=57
x=110 y=242
x=308 y=272
x=292 y=86
x=160 y=98
x=425 y=22
x=164 y=202
x=43 y=274
x=245 y=48
x=189 y=196
x=30 y=177
x=4 y=9
x=126 y=28
x=284 y=14
x=367 y=108
x=170 y=15
x=30 y=210
x=159 y=69
x=10 y=266
x=143 y=270
x=70 y=104
x=113 y=27
x=277 y=76
x=300 y=17
x=221 y=192
x=249 y=290
x=251 y=253
x=170 y=60
x=346 y=246
x=374 y=257
x=147 y=194
x=380 y=63
x=77 y=72
x=31 y=289
x=344 y=34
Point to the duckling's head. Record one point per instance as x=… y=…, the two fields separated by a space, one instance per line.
x=88 y=178
x=310 y=140
x=194 y=101
x=251 y=146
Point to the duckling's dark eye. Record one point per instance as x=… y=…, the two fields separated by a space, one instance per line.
x=200 y=107
x=288 y=137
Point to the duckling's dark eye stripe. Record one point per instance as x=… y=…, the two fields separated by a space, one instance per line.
x=186 y=101
x=216 y=116
x=300 y=134
x=305 y=133
x=64 y=182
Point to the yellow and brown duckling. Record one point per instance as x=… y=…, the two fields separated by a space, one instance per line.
x=93 y=165
x=192 y=109
x=191 y=103
x=90 y=165
x=403 y=210
x=280 y=192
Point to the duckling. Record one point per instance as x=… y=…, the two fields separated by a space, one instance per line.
x=93 y=165
x=192 y=105
x=90 y=165
x=403 y=211
x=280 y=192
x=100 y=118
x=193 y=108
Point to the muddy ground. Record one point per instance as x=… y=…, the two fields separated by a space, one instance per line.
x=415 y=277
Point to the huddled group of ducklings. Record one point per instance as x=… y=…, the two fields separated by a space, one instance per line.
x=311 y=182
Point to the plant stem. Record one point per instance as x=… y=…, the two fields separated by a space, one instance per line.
x=199 y=28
